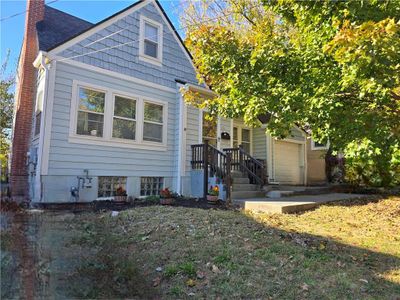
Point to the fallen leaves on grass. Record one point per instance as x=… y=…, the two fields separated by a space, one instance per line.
x=156 y=281
x=228 y=254
x=190 y=282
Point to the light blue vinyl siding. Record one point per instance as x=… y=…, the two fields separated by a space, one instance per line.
x=125 y=59
x=71 y=158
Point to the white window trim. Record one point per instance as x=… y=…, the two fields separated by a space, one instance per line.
x=39 y=94
x=251 y=137
x=315 y=148
x=96 y=89
x=240 y=125
x=107 y=139
x=165 y=116
x=124 y=118
x=142 y=56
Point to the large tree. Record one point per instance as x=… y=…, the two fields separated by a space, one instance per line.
x=6 y=114
x=332 y=66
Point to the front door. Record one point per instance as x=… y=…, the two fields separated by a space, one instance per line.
x=241 y=136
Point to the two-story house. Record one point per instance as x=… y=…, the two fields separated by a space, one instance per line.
x=100 y=106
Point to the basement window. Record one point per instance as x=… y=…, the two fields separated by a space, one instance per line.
x=150 y=186
x=109 y=185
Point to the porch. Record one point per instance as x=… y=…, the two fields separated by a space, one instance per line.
x=234 y=170
x=244 y=182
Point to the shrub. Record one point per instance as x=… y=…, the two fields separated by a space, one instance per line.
x=152 y=199
x=372 y=165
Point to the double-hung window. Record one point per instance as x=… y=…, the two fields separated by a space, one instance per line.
x=150 y=40
x=153 y=122
x=246 y=142
x=105 y=116
x=90 y=112
x=124 y=119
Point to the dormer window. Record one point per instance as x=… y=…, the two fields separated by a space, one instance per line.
x=150 y=48
x=150 y=40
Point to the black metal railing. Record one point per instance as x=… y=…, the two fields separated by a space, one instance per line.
x=242 y=161
x=220 y=164
x=214 y=163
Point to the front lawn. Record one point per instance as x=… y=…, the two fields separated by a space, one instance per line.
x=344 y=250
x=338 y=251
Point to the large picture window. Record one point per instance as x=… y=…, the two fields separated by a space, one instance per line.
x=104 y=116
x=153 y=122
x=124 y=120
x=90 y=112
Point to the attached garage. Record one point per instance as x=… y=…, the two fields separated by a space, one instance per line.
x=288 y=162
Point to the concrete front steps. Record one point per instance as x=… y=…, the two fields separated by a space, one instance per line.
x=280 y=198
x=243 y=189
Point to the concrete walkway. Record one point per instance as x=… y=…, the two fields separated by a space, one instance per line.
x=291 y=204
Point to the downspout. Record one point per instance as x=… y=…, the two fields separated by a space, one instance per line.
x=41 y=61
x=178 y=187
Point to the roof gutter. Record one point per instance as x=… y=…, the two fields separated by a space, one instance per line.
x=201 y=90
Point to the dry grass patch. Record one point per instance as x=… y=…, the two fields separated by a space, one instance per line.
x=365 y=223
x=173 y=252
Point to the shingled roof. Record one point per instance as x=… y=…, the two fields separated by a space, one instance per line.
x=57 y=27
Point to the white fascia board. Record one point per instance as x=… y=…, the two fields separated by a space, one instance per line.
x=201 y=90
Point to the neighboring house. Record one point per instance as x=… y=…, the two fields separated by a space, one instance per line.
x=316 y=170
x=103 y=109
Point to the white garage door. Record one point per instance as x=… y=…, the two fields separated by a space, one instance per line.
x=287 y=162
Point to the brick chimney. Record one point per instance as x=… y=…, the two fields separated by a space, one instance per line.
x=24 y=101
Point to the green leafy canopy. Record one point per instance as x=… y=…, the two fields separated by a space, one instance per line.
x=332 y=66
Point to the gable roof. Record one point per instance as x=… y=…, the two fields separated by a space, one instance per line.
x=58 y=27
x=80 y=32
